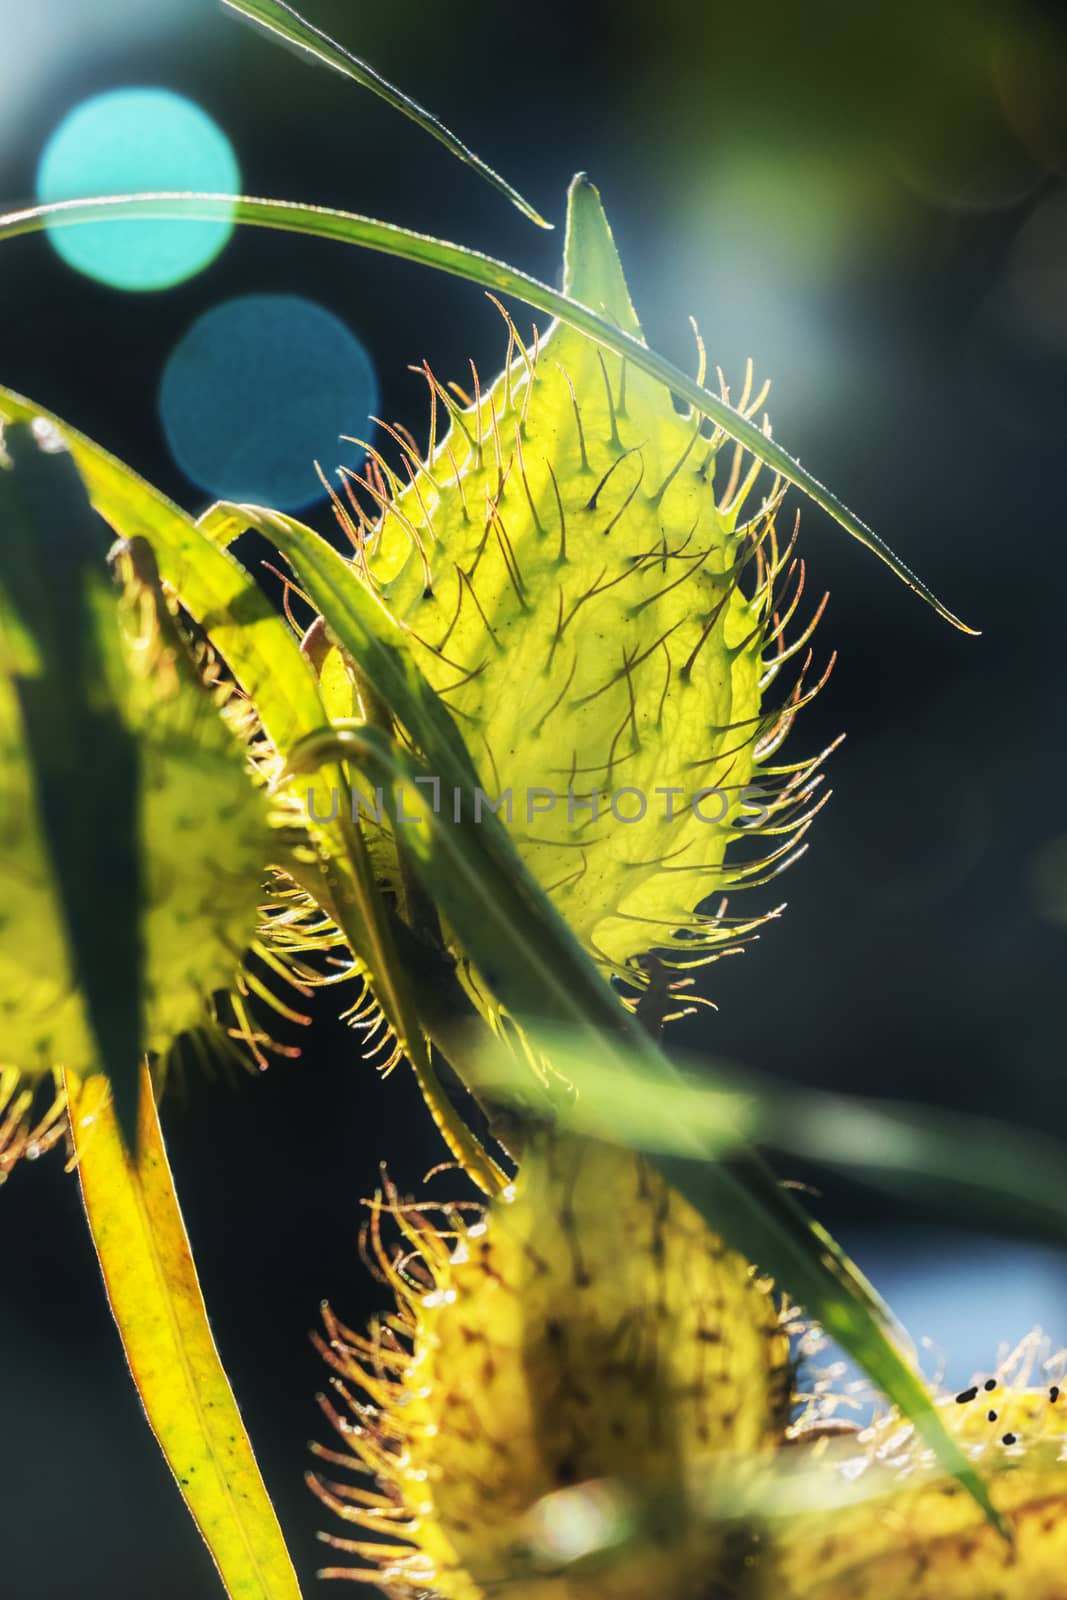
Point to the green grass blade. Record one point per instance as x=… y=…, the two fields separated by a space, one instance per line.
x=966 y=1162
x=281 y=20
x=535 y=967
x=386 y=238
x=978 y=1166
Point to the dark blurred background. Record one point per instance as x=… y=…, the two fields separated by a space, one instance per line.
x=868 y=200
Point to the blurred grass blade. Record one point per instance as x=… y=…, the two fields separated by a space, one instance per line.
x=543 y=978
x=265 y=658
x=60 y=630
x=281 y=20
x=977 y=1165
x=350 y=228
x=155 y=1297
x=969 y=1162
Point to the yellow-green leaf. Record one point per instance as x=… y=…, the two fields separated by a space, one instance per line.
x=155 y=1297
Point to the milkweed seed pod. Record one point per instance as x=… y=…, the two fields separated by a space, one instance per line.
x=588 y=1327
x=203 y=835
x=911 y=1534
x=600 y=597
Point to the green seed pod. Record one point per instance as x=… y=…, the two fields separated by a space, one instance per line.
x=202 y=833
x=593 y=590
x=590 y=1328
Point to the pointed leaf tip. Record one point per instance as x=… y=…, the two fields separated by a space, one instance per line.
x=279 y=19
x=592 y=271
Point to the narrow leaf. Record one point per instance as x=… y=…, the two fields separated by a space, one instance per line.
x=155 y=1297
x=281 y=20
x=388 y=239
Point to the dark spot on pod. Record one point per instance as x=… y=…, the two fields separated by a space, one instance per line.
x=1009 y=1438
x=1054 y=1393
x=989 y=1385
x=968 y=1394
x=992 y=1416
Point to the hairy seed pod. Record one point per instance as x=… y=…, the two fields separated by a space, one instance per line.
x=595 y=589
x=588 y=1330
x=205 y=840
x=910 y=1534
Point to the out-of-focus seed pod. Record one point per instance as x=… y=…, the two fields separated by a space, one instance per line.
x=587 y=1329
x=913 y=1535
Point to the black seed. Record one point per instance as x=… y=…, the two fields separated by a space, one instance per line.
x=968 y=1394
x=1054 y=1393
x=992 y=1416
x=1009 y=1438
x=989 y=1385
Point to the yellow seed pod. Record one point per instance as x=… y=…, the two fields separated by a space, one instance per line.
x=593 y=587
x=588 y=1330
x=204 y=837
x=913 y=1535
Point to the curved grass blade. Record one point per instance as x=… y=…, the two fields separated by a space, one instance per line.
x=528 y=956
x=151 y=1283
x=281 y=20
x=386 y=238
